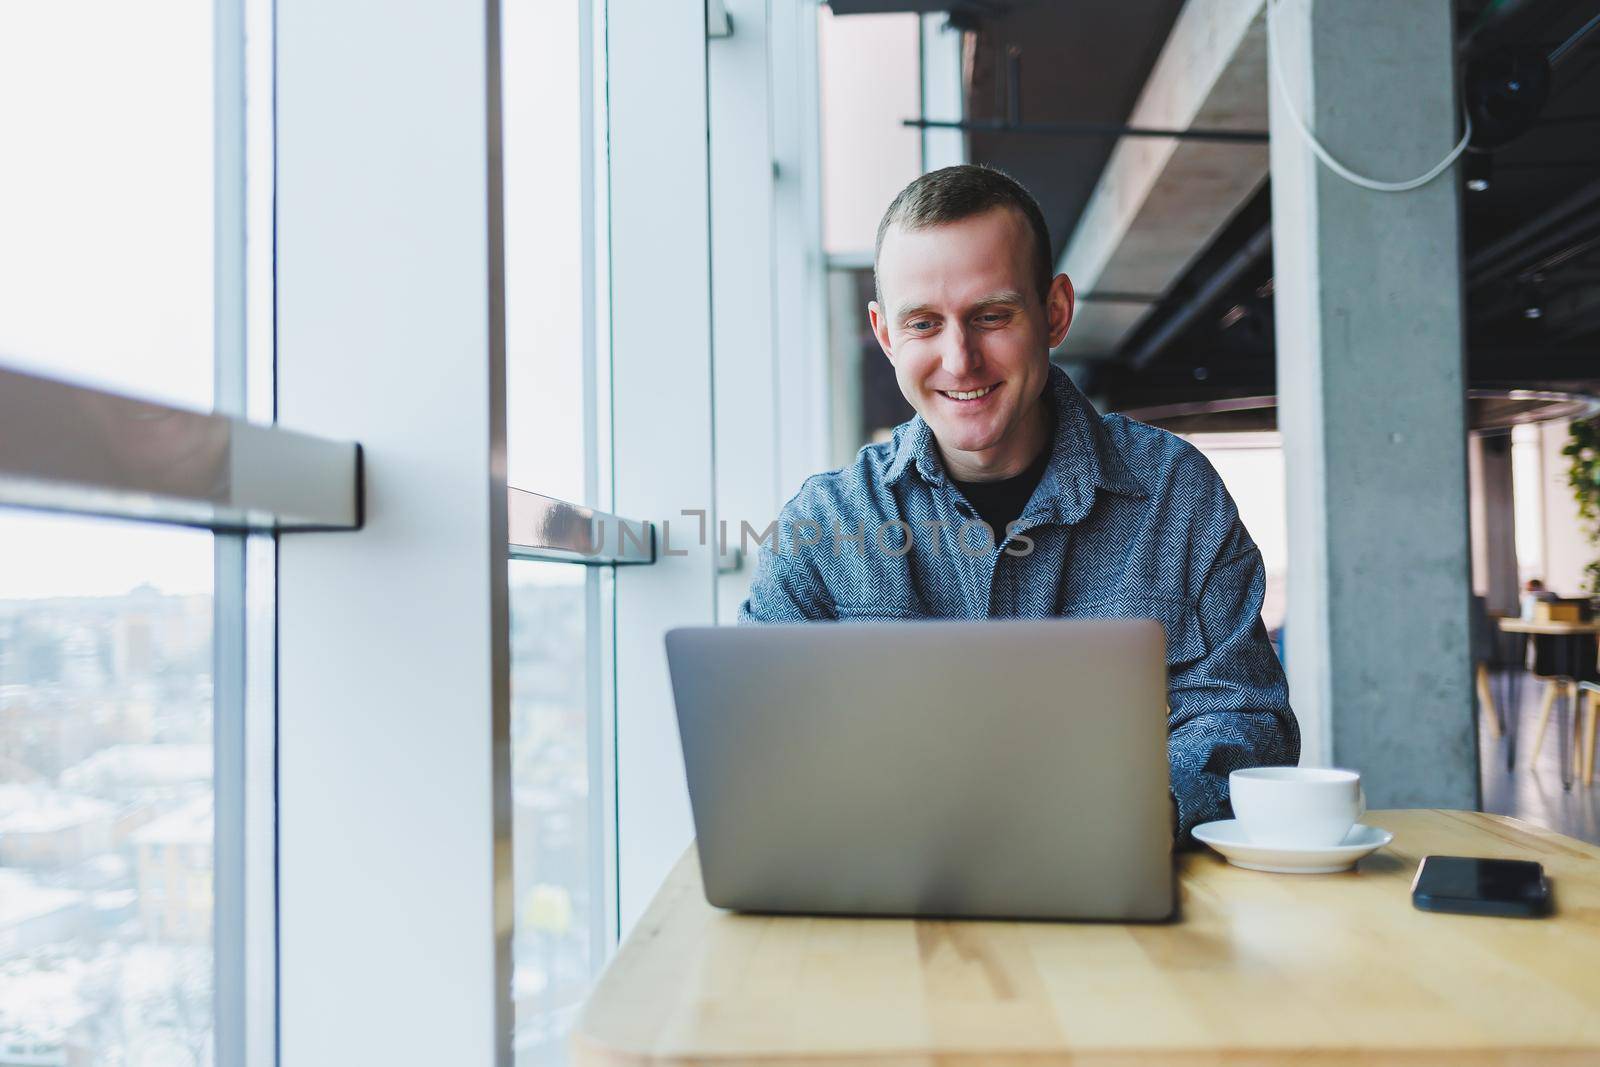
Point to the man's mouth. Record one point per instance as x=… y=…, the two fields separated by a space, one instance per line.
x=969 y=394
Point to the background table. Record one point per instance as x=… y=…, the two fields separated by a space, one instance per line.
x=1546 y=632
x=1549 y=629
x=1262 y=969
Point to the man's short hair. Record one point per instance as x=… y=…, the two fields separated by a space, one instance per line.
x=951 y=194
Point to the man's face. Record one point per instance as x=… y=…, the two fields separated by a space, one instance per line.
x=970 y=339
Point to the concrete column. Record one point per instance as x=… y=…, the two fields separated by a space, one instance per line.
x=1494 y=532
x=1370 y=381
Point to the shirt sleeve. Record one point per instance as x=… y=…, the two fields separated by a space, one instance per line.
x=785 y=589
x=1230 y=708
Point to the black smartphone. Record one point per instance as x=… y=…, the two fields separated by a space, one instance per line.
x=1470 y=886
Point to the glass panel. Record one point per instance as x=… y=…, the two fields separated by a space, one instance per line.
x=870 y=72
x=558 y=867
x=106 y=195
x=544 y=247
x=559 y=809
x=1251 y=466
x=1527 y=489
x=866 y=395
x=105 y=793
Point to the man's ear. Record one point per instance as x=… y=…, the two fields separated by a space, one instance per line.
x=1059 y=304
x=880 y=328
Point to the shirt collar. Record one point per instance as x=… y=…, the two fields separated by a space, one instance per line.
x=1082 y=458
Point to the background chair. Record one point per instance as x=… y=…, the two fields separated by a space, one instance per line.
x=1486 y=654
x=1565 y=661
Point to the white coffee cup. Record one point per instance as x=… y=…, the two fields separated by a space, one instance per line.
x=1296 y=807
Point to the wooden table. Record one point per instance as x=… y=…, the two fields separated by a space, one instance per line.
x=1548 y=630
x=1262 y=969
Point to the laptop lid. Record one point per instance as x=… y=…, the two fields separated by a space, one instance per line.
x=1008 y=768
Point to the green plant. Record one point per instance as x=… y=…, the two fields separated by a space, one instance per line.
x=1583 y=476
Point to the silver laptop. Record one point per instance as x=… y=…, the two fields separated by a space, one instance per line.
x=1002 y=769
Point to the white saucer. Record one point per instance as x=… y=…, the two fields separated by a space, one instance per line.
x=1228 y=838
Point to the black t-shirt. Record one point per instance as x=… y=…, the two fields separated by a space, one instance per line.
x=1000 y=503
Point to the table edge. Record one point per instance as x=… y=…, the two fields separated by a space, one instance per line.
x=588 y=1050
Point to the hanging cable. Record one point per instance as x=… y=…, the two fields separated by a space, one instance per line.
x=1322 y=153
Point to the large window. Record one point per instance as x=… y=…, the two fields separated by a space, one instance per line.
x=870 y=75
x=106 y=800
x=1251 y=466
x=562 y=914
x=549 y=310
x=875 y=71
x=123 y=250
x=106 y=194
x=556 y=376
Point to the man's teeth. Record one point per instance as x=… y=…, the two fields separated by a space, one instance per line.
x=972 y=395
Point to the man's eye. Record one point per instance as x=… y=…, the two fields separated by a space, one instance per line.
x=922 y=325
x=993 y=317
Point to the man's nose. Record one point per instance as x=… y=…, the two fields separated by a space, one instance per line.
x=961 y=355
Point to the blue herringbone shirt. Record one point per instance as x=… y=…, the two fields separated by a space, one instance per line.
x=1129 y=521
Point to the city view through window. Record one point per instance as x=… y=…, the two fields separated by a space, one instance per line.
x=105 y=798
x=106 y=895
x=558 y=900
x=106 y=276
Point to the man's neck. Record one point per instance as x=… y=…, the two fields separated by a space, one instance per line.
x=1011 y=456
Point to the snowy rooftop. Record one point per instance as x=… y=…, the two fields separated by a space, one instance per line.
x=139 y=765
x=40 y=809
x=21 y=898
x=189 y=825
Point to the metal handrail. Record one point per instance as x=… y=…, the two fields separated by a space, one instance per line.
x=76 y=449
x=544 y=528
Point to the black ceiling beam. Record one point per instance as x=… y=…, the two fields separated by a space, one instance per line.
x=1220 y=281
x=1528 y=366
x=1581 y=324
x=1505 y=20
x=1544 y=233
x=1485 y=363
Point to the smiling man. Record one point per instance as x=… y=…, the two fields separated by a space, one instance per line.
x=1008 y=495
